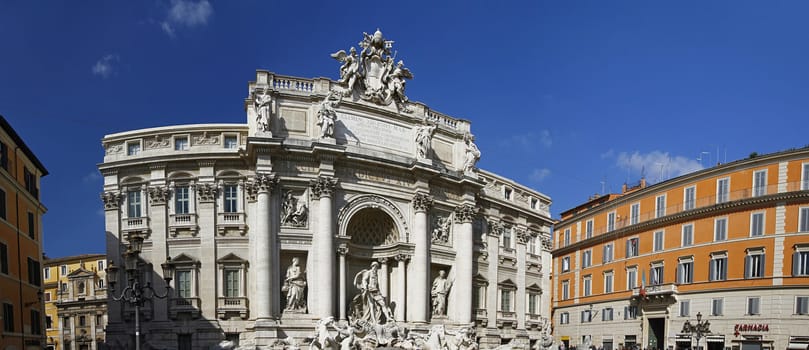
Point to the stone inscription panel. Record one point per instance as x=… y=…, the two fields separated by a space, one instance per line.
x=354 y=129
x=293 y=119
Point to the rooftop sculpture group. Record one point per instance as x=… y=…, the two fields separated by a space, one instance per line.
x=373 y=72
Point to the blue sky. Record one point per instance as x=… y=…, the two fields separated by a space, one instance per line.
x=567 y=97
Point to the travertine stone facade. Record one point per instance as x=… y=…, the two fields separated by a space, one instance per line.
x=234 y=204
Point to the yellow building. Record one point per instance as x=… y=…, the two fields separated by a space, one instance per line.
x=75 y=301
x=730 y=243
x=20 y=243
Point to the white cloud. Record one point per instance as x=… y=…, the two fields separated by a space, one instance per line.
x=656 y=165
x=529 y=141
x=104 y=67
x=92 y=176
x=186 y=13
x=540 y=174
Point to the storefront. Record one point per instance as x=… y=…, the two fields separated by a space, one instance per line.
x=682 y=342
x=798 y=343
x=715 y=342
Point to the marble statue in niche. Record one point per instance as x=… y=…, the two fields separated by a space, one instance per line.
x=263 y=106
x=294 y=286
x=326 y=115
x=424 y=138
x=439 y=292
x=472 y=154
x=369 y=305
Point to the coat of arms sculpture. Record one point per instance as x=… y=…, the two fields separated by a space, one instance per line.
x=373 y=73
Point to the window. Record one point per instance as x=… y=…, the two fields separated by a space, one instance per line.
x=63 y=287
x=567 y=237
x=803 y=226
x=3 y=204
x=685 y=305
x=586 y=316
x=46 y=272
x=30 y=181
x=231 y=141
x=31 y=226
x=630 y=312
x=689 y=198
x=133 y=204
x=63 y=270
x=720 y=229
x=608 y=282
x=507 y=193
x=48 y=296
x=719 y=267
x=100 y=283
x=610 y=221
x=533 y=304
x=588 y=286
x=658 y=241
x=631 y=247
x=532 y=245
x=685 y=271
x=230 y=199
x=534 y=203
x=586 y=258
x=760 y=183
x=566 y=264
x=100 y=265
x=181 y=143
x=634 y=213
x=507 y=237
x=753 y=305
x=660 y=206
x=800 y=263
x=656 y=274
x=82 y=321
x=3 y=258
x=802 y=305
x=4 y=155
x=805 y=177
x=133 y=148
x=631 y=278
x=183 y=283
x=8 y=318
x=181 y=200
x=184 y=342
x=34 y=271
x=688 y=235
x=565 y=289
x=722 y=190
x=66 y=322
x=588 y=229
x=756 y=224
x=754 y=264
x=607 y=254
x=505 y=300
x=564 y=318
x=716 y=307
x=232 y=283
x=81 y=288
x=606 y=314
x=48 y=322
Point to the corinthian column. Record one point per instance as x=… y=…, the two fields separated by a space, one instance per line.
x=263 y=239
x=464 y=255
x=419 y=283
x=322 y=281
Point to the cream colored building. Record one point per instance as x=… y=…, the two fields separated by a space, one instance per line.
x=335 y=175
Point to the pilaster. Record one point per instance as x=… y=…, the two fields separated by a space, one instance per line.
x=419 y=283
x=323 y=248
x=522 y=239
x=464 y=246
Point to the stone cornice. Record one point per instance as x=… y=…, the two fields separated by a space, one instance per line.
x=683 y=216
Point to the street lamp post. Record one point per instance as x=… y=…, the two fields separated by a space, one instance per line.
x=697 y=330
x=136 y=292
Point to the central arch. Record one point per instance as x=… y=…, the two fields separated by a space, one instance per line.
x=366 y=213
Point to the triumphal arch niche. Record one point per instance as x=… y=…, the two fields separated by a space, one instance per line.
x=341 y=209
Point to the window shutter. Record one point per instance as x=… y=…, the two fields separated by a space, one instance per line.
x=756 y=305
x=724 y=269
x=747 y=261
x=627 y=247
x=679 y=274
x=691 y=273
x=795 y=265
x=711 y=270
x=582 y=317
x=763 y=265
x=626 y=312
x=662 y=275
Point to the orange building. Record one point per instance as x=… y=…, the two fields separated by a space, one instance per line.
x=730 y=243
x=20 y=243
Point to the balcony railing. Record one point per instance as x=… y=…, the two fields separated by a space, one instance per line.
x=231 y=221
x=481 y=317
x=182 y=222
x=658 y=289
x=506 y=318
x=698 y=203
x=226 y=305
x=139 y=224
x=184 y=305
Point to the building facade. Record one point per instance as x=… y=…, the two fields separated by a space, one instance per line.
x=729 y=243
x=75 y=302
x=331 y=191
x=20 y=243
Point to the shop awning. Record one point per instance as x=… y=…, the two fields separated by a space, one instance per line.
x=797 y=346
x=715 y=338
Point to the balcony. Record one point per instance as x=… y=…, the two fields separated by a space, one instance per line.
x=136 y=224
x=506 y=319
x=230 y=222
x=533 y=321
x=183 y=222
x=184 y=306
x=655 y=291
x=234 y=305
x=481 y=317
